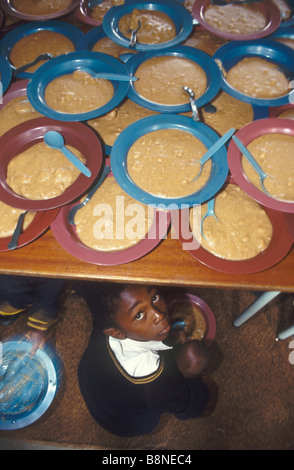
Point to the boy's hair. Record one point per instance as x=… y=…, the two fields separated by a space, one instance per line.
x=102 y=299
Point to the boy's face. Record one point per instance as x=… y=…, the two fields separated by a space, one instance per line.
x=142 y=314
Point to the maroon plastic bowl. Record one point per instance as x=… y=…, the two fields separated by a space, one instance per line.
x=29 y=133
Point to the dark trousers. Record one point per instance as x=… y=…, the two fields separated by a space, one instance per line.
x=21 y=291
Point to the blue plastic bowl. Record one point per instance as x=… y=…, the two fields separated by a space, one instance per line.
x=89 y=39
x=67 y=64
x=71 y=32
x=181 y=17
x=233 y=52
x=283 y=33
x=5 y=74
x=213 y=75
x=208 y=137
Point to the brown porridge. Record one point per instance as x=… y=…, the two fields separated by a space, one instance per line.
x=15 y=112
x=205 y=41
x=243 y=229
x=258 y=78
x=107 y=46
x=289 y=114
x=164 y=163
x=156 y=27
x=31 y=46
x=235 y=19
x=195 y=328
x=112 y=220
x=78 y=92
x=97 y=13
x=275 y=155
x=110 y=125
x=230 y=113
x=41 y=172
x=9 y=217
x=161 y=79
x=41 y=7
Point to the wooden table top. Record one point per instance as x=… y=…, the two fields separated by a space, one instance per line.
x=167 y=264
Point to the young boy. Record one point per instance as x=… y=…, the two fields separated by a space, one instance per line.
x=128 y=377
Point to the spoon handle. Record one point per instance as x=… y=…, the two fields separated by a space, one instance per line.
x=248 y=156
x=217 y=145
x=115 y=76
x=76 y=162
x=77 y=207
x=23 y=68
x=14 y=239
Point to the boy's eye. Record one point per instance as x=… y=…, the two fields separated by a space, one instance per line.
x=155 y=298
x=139 y=316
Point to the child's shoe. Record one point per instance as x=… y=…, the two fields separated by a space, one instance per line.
x=8 y=313
x=39 y=319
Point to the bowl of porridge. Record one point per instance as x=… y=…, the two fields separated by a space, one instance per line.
x=94 y=16
x=112 y=228
x=25 y=43
x=197 y=315
x=34 y=224
x=36 y=177
x=258 y=72
x=96 y=40
x=162 y=24
x=15 y=107
x=246 y=237
x=65 y=89
x=237 y=21
x=162 y=75
x=271 y=142
x=30 y=10
x=155 y=161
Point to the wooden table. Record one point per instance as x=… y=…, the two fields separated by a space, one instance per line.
x=168 y=264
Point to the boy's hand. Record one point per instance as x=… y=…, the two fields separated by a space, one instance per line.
x=192 y=358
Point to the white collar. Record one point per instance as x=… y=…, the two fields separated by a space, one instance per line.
x=138 y=358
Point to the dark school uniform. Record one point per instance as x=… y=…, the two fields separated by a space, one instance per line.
x=131 y=406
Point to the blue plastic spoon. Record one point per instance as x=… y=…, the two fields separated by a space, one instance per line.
x=178 y=325
x=252 y=161
x=209 y=212
x=55 y=140
x=213 y=149
x=108 y=75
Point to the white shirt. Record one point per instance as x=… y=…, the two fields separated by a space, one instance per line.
x=138 y=358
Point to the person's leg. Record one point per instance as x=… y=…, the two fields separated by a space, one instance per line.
x=16 y=296
x=45 y=307
x=18 y=293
